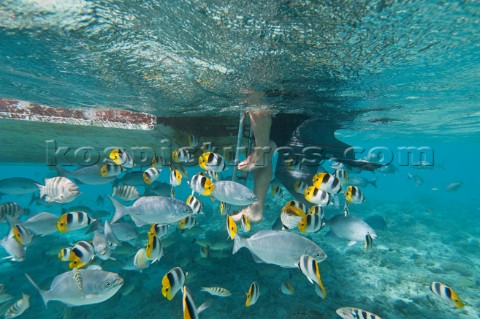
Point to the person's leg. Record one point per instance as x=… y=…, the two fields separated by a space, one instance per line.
x=261 y=161
x=261 y=121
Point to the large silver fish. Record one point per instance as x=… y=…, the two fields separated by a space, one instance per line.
x=97 y=286
x=279 y=247
x=42 y=223
x=87 y=175
x=58 y=189
x=17 y=186
x=152 y=210
x=233 y=193
x=101 y=245
x=351 y=228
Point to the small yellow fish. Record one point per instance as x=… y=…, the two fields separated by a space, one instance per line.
x=22 y=234
x=252 y=294
x=121 y=157
x=82 y=254
x=231 y=227
x=175 y=178
x=446 y=293
x=172 y=282
x=64 y=254
x=287 y=288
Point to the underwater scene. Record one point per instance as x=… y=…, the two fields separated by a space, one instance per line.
x=288 y=159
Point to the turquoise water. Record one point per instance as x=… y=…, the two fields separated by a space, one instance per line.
x=380 y=76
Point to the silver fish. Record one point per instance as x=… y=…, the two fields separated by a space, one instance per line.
x=18 y=307
x=123 y=231
x=217 y=291
x=132 y=179
x=58 y=189
x=101 y=246
x=97 y=286
x=351 y=228
x=279 y=247
x=126 y=192
x=152 y=210
x=17 y=186
x=11 y=209
x=15 y=251
x=42 y=223
x=87 y=175
x=355 y=313
x=233 y=193
x=454 y=186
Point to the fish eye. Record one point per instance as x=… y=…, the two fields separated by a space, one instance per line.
x=108 y=284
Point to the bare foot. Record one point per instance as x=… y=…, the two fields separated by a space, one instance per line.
x=254 y=213
x=260 y=157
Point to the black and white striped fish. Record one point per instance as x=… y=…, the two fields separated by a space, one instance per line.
x=159 y=230
x=342 y=176
x=72 y=221
x=354 y=195
x=446 y=293
x=172 y=282
x=311 y=223
x=58 y=189
x=22 y=234
x=252 y=294
x=300 y=187
x=201 y=184
x=126 y=192
x=64 y=254
x=121 y=157
x=18 y=307
x=181 y=155
x=245 y=223
x=454 y=186
x=11 y=209
x=309 y=266
x=316 y=210
x=195 y=204
x=192 y=140
x=327 y=182
x=355 y=313
x=217 y=291
x=187 y=223
x=110 y=170
x=150 y=175
x=154 y=248
x=212 y=161
x=81 y=254
x=317 y=196
x=190 y=311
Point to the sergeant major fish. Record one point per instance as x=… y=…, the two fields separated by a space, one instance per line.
x=58 y=189
x=97 y=286
x=355 y=313
x=126 y=192
x=18 y=307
